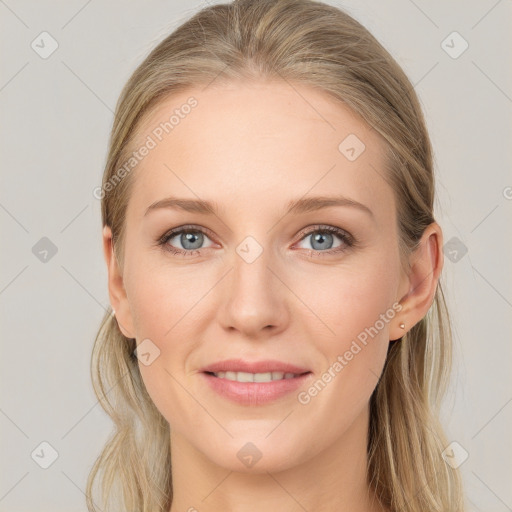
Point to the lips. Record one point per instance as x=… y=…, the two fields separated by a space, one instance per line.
x=254 y=393
x=254 y=377
x=267 y=366
x=254 y=383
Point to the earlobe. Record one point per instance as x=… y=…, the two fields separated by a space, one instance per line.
x=425 y=269
x=116 y=289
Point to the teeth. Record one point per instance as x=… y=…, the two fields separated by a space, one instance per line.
x=254 y=377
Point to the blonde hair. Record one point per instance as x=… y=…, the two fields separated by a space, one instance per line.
x=311 y=43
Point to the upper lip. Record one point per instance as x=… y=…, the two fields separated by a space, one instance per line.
x=239 y=365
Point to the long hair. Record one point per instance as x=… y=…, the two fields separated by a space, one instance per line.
x=303 y=42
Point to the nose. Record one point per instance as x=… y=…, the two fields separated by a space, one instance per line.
x=255 y=300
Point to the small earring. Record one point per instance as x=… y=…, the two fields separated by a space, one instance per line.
x=402 y=326
x=113 y=312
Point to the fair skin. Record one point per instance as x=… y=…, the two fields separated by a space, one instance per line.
x=252 y=148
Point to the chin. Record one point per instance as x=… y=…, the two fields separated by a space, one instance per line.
x=258 y=456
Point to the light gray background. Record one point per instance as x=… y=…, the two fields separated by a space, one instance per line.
x=56 y=115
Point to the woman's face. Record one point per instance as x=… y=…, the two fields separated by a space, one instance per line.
x=257 y=280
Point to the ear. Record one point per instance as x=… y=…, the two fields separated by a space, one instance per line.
x=419 y=286
x=116 y=290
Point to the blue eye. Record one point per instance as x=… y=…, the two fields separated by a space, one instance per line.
x=322 y=238
x=190 y=238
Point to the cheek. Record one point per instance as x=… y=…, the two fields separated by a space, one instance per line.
x=350 y=303
x=354 y=348
x=162 y=299
x=353 y=311
x=161 y=317
x=166 y=307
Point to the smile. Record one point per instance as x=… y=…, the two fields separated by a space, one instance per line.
x=253 y=389
x=254 y=377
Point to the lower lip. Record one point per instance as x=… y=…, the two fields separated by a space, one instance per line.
x=254 y=393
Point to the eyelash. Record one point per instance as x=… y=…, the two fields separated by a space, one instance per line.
x=348 y=240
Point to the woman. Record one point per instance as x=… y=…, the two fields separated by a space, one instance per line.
x=279 y=337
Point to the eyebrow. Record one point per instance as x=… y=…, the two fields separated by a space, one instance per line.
x=297 y=206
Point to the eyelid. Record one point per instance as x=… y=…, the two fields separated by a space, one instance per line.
x=187 y=227
x=342 y=233
x=348 y=241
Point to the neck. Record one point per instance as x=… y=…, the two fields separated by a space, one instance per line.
x=332 y=480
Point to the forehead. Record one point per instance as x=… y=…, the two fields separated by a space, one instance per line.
x=258 y=143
